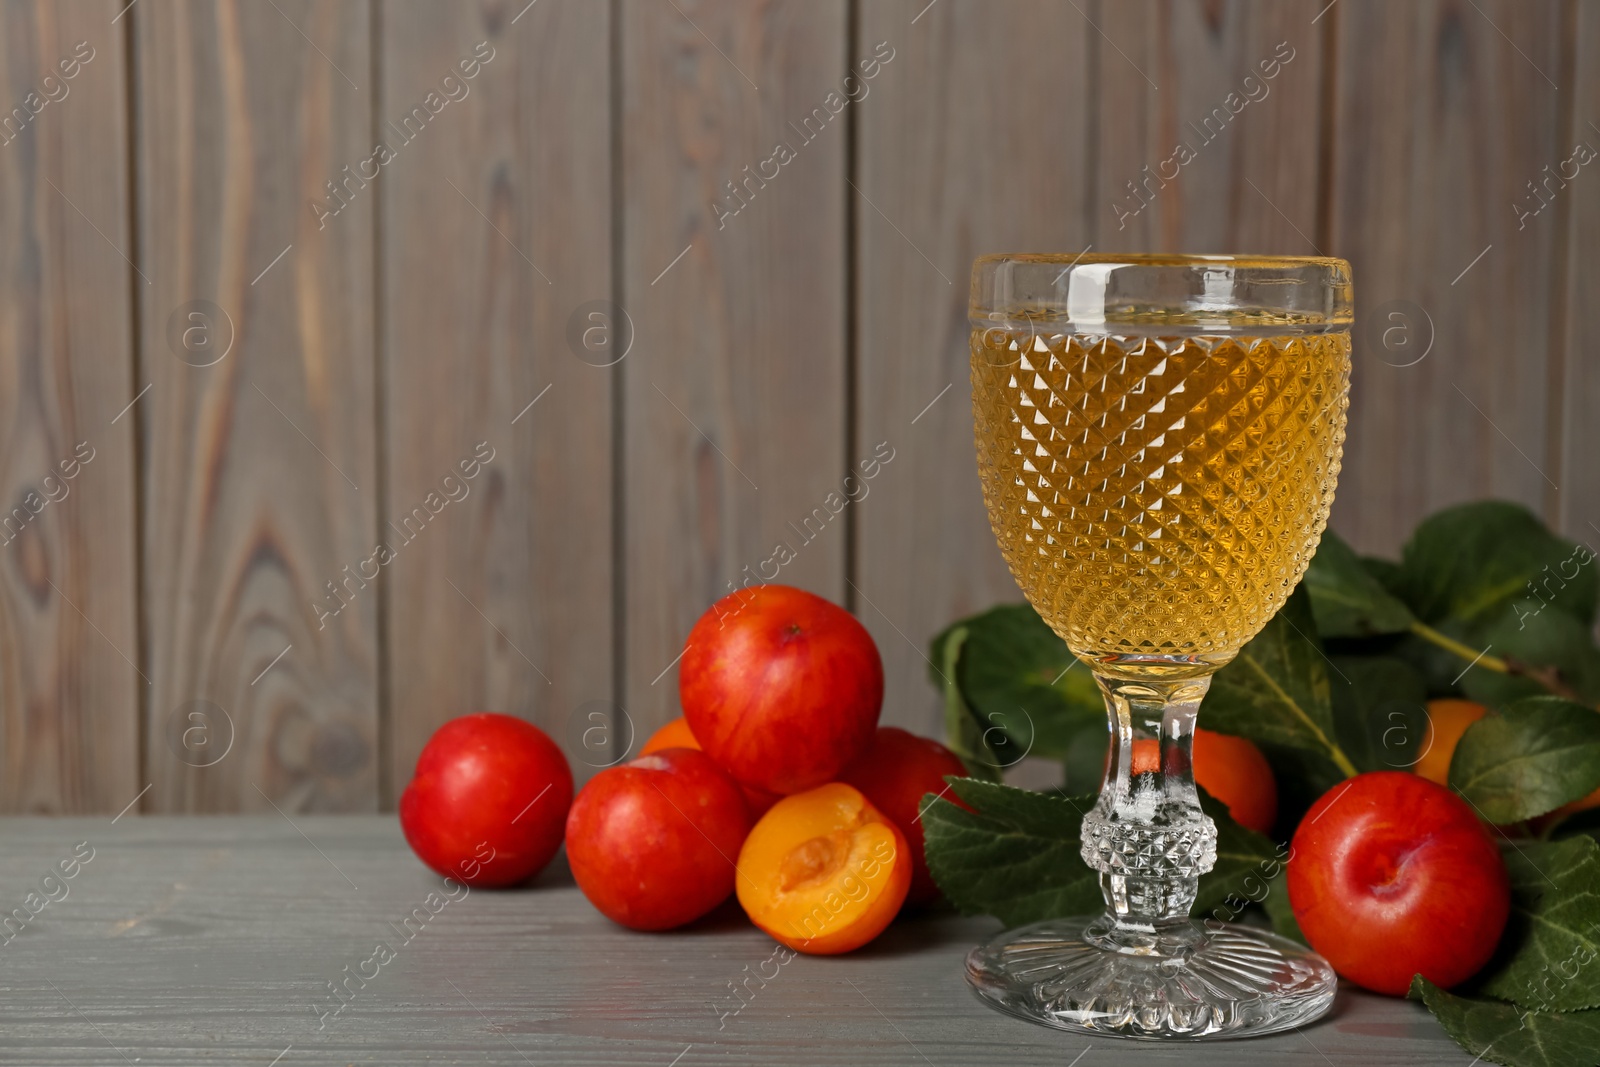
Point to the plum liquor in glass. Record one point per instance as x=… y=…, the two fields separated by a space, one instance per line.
x=1158 y=441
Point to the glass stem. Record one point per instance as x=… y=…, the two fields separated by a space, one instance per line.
x=1146 y=835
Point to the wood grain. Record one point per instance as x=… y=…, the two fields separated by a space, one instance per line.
x=1444 y=112
x=190 y=941
x=735 y=394
x=70 y=687
x=1579 y=500
x=781 y=329
x=947 y=171
x=1198 y=148
x=260 y=475
x=496 y=240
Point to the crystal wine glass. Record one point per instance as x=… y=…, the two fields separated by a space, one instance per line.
x=1158 y=441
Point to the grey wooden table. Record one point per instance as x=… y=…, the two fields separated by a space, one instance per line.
x=216 y=940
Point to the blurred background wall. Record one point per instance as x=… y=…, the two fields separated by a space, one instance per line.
x=367 y=362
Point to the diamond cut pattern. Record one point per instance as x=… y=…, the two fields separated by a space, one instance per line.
x=1158 y=495
x=1142 y=851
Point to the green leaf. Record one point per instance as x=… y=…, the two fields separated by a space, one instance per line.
x=1015 y=856
x=1246 y=864
x=1303 y=777
x=1386 y=571
x=1534 y=756
x=1276 y=690
x=963 y=734
x=1380 y=711
x=1469 y=562
x=1279 y=911
x=1035 y=696
x=1441 y=669
x=1549 y=957
x=1538 y=636
x=1502 y=1033
x=1346 y=600
x=1083 y=766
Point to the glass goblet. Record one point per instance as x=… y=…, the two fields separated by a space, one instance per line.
x=1158 y=440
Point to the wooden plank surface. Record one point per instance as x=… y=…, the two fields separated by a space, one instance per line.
x=1579 y=500
x=947 y=173
x=259 y=472
x=1444 y=113
x=496 y=249
x=1208 y=121
x=734 y=408
x=70 y=687
x=184 y=941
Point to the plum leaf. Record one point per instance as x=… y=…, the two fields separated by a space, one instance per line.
x=1346 y=599
x=1015 y=856
x=1276 y=691
x=1380 y=710
x=1549 y=956
x=1532 y=757
x=1500 y=1032
x=1469 y=562
x=1031 y=696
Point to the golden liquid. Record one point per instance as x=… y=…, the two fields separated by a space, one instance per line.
x=1158 y=496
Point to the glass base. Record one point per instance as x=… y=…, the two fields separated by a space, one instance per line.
x=1188 y=983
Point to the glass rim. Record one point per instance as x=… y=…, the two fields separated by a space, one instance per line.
x=1161 y=292
x=1165 y=259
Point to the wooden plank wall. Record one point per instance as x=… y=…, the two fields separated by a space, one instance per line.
x=734 y=396
x=446 y=357
x=496 y=232
x=71 y=680
x=1442 y=113
x=259 y=462
x=1579 y=331
x=944 y=175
